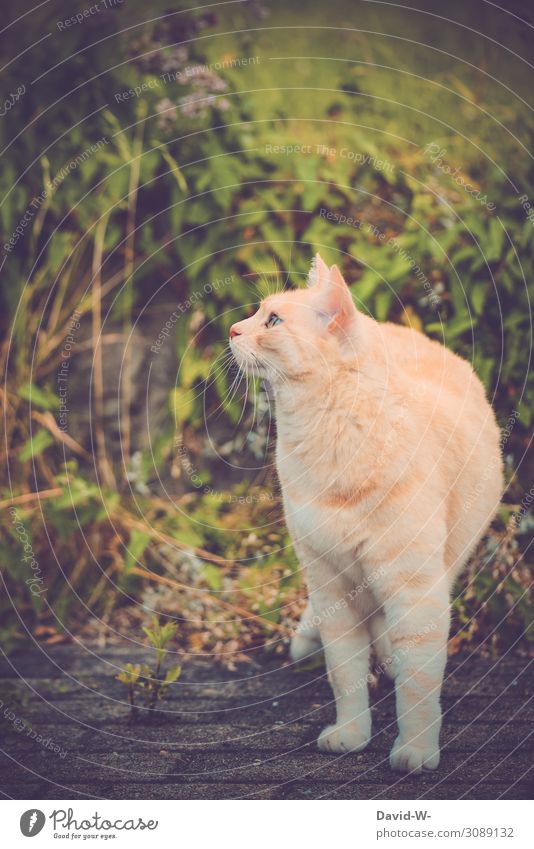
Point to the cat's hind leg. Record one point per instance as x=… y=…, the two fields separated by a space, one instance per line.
x=306 y=640
x=418 y=624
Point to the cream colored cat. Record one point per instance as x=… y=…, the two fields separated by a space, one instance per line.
x=383 y=440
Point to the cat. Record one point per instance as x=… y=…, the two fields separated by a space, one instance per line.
x=383 y=439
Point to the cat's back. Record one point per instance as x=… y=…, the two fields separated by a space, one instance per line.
x=426 y=360
x=453 y=433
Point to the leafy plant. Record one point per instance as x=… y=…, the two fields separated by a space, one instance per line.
x=149 y=685
x=157 y=192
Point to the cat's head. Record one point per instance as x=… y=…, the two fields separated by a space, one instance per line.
x=295 y=332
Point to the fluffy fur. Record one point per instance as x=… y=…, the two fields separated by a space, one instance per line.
x=383 y=440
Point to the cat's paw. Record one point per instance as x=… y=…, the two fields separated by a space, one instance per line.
x=351 y=737
x=386 y=667
x=410 y=757
x=302 y=646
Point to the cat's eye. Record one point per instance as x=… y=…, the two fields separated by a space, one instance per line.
x=273 y=320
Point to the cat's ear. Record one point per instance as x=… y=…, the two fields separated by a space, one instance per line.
x=319 y=272
x=336 y=303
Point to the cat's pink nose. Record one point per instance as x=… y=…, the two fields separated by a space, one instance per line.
x=234 y=332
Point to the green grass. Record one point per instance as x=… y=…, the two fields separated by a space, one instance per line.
x=210 y=200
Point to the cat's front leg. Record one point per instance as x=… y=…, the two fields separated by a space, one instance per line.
x=418 y=616
x=346 y=645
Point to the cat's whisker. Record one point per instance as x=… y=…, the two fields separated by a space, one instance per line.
x=232 y=391
x=286 y=281
x=220 y=369
x=267 y=288
x=255 y=283
x=229 y=397
x=204 y=387
x=254 y=412
x=276 y=274
x=225 y=368
x=245 y=399
x=277 y=373
x=257 y=290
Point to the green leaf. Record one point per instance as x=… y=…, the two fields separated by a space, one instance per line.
x=120 y=139
x=382 y=304
x=479 y=294
x=136 y=546
x=130 y=674
x=173 y=165
x=35 y=445
x=526 y=415
x=451 y=330
x=167 y=632
x=39 y=397
x=495 y=242
x=77 y=492
x=173 y=674
x=159 y=636
x=213 y=576
x=182 y=403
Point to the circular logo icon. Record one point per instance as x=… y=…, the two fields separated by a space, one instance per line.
x=31 y=822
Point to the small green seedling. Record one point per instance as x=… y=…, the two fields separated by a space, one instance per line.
x=147 y=684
